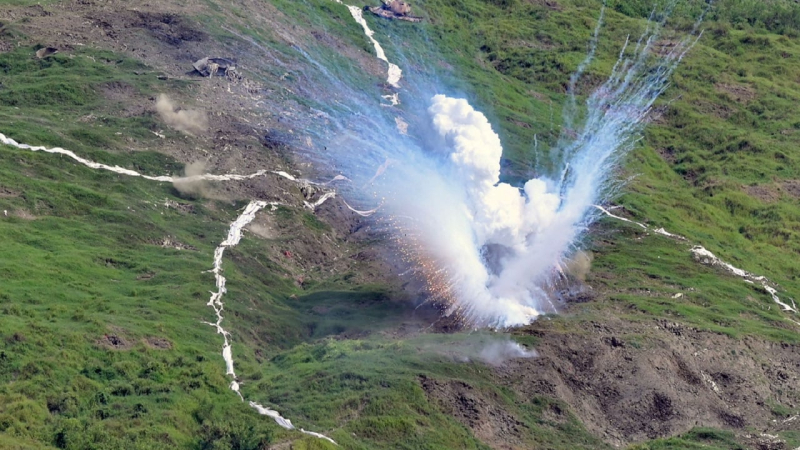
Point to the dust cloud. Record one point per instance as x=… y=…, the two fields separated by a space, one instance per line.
x=191 y=184
x=579 y=265
x=494 y=350
x=189 y=121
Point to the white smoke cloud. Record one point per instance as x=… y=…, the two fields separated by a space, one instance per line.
x=496 y=249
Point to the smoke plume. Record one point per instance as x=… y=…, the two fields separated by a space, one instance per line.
x=495 y=252
x=492 y=349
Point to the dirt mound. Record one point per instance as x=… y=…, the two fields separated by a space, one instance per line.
x=114 y=342
x=491 y=424
x=632 y=382
x=158 y=343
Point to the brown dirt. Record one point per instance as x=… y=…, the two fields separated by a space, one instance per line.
x=114 y=342
x=23 y=214
x=491 y=424
x=550 y=4
x=715 y=109
x=664 y=47
x=6 y=192
x=158 y=343
x=630 y=382
x=668 y=154
x=792 y=188
x=765 y=193
x=171 y=242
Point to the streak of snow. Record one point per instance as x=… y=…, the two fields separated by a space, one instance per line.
x=123 y=171
x=709 y=258
x=394 y=73
x=323 y=199
x=234 y=236
x=706 y=257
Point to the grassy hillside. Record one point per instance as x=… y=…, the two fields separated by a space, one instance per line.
x=102 y=343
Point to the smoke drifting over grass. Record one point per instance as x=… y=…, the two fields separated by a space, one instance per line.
x=186 y=120
x=494 y=350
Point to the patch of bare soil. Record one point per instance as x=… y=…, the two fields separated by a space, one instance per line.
x=114 y=342
x=715 y=109
x=630 y=382
x=664 y=47
x=171 y=242
x=6 y=192
x=765 y=193
x=738 y=92
x=491 y=424
x=158 y=343
x=668 y=154
x=23 y=214
x=550 y=4
x=792 y=188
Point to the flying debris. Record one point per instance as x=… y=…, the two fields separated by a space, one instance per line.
x=394 y=9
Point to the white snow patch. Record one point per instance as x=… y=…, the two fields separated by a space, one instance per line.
x=394 y=72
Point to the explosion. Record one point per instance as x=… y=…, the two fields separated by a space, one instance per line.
x=493 y=252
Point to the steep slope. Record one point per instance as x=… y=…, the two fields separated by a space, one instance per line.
x=105 y=276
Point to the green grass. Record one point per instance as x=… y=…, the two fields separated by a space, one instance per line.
x=698 y=438
x=89 y=265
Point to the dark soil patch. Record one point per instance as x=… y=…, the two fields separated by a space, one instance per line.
x=158 y=343
x=114 y=342
x=477 y=410
x=738 y=92
x=8 y=192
